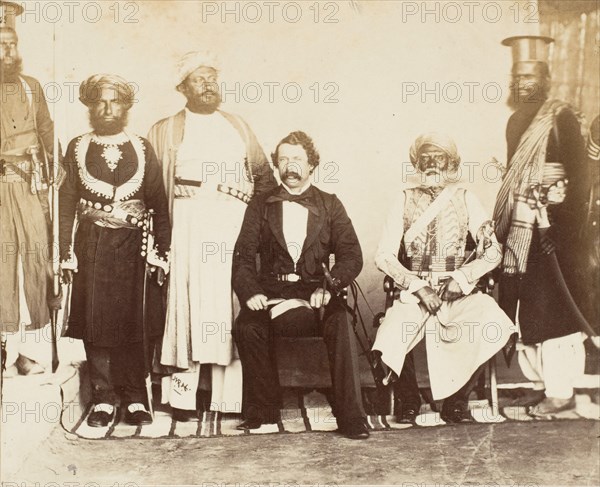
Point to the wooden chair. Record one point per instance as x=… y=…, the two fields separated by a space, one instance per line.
x=486 y=284
x=302 y=363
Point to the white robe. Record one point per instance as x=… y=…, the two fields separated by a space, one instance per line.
x=465 y=333
x=206 y=224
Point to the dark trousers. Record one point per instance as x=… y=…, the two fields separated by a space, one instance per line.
x=117 y=371
x=254 y=333
x=406 y=389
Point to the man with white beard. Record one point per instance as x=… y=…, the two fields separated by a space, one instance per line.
x=429 y=224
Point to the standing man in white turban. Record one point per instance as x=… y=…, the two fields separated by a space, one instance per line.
x=212 y=166
x=429 y=224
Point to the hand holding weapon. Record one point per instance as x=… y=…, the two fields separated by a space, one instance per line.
x=541 y=199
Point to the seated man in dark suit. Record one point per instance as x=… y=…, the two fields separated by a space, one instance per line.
x=294 y=229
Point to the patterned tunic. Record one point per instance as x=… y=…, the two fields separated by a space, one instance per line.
x=111 y=187
x=465 y=333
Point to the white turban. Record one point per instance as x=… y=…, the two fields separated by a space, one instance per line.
x=441 y=141
x=191 y=61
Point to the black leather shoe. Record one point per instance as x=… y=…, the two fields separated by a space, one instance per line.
x=100 y=419
x=408 y=416
x=184 y=415
x=456 y=415
x=355 y=429
x=138 y=418
x=249 y=424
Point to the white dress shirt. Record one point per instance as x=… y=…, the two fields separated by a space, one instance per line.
x=294 y=221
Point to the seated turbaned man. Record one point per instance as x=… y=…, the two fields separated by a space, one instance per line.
x=429 y=224
x=295 y=228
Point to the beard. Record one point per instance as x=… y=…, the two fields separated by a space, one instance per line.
x=11 y=71
x=108 y=127
x=439 y=179
x=532 y=97
x=205 y=103
x=433 y=179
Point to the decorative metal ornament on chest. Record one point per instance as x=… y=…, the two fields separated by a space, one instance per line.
x=112 y=155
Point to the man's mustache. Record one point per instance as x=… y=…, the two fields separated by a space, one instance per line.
x=208 y=96
x=208 y=92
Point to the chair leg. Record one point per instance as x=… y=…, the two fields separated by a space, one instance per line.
x=493 y=387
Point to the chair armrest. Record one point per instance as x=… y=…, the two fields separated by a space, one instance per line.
x=391 y=291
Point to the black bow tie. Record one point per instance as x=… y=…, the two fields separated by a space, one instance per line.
x=303 y=199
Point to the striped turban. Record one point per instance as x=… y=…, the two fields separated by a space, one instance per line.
x=90 y=90
x=441 y=141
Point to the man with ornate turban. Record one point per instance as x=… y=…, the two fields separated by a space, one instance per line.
x=212 y=166
x=113 y=186
x=26 y=144
x=540 y=215
x=422 y=249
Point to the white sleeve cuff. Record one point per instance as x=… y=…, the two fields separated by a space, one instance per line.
x=465 y=286
x=407 y=295
x=155 y=260
x=416 y=284
x=542 y=218
x=70 y=264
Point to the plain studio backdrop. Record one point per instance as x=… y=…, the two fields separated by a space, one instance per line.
x=363 y=78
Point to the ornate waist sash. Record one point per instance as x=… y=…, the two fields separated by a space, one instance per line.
x=122 y=214
x=430 y=263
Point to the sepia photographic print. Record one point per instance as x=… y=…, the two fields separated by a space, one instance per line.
x=311 y=242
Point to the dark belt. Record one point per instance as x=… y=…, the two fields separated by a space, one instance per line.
x=293 y=277
x=14 y=159
x=9 y=161
x=221 y=188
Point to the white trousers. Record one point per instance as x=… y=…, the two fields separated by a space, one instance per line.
x=557 y=364
x=33 y=344
x=179 y=389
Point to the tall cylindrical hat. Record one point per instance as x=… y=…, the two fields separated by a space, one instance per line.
x=530 y=54
x=8 y=14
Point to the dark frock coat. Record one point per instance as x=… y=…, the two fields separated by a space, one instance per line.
x=107 y=294
x=545 y=311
